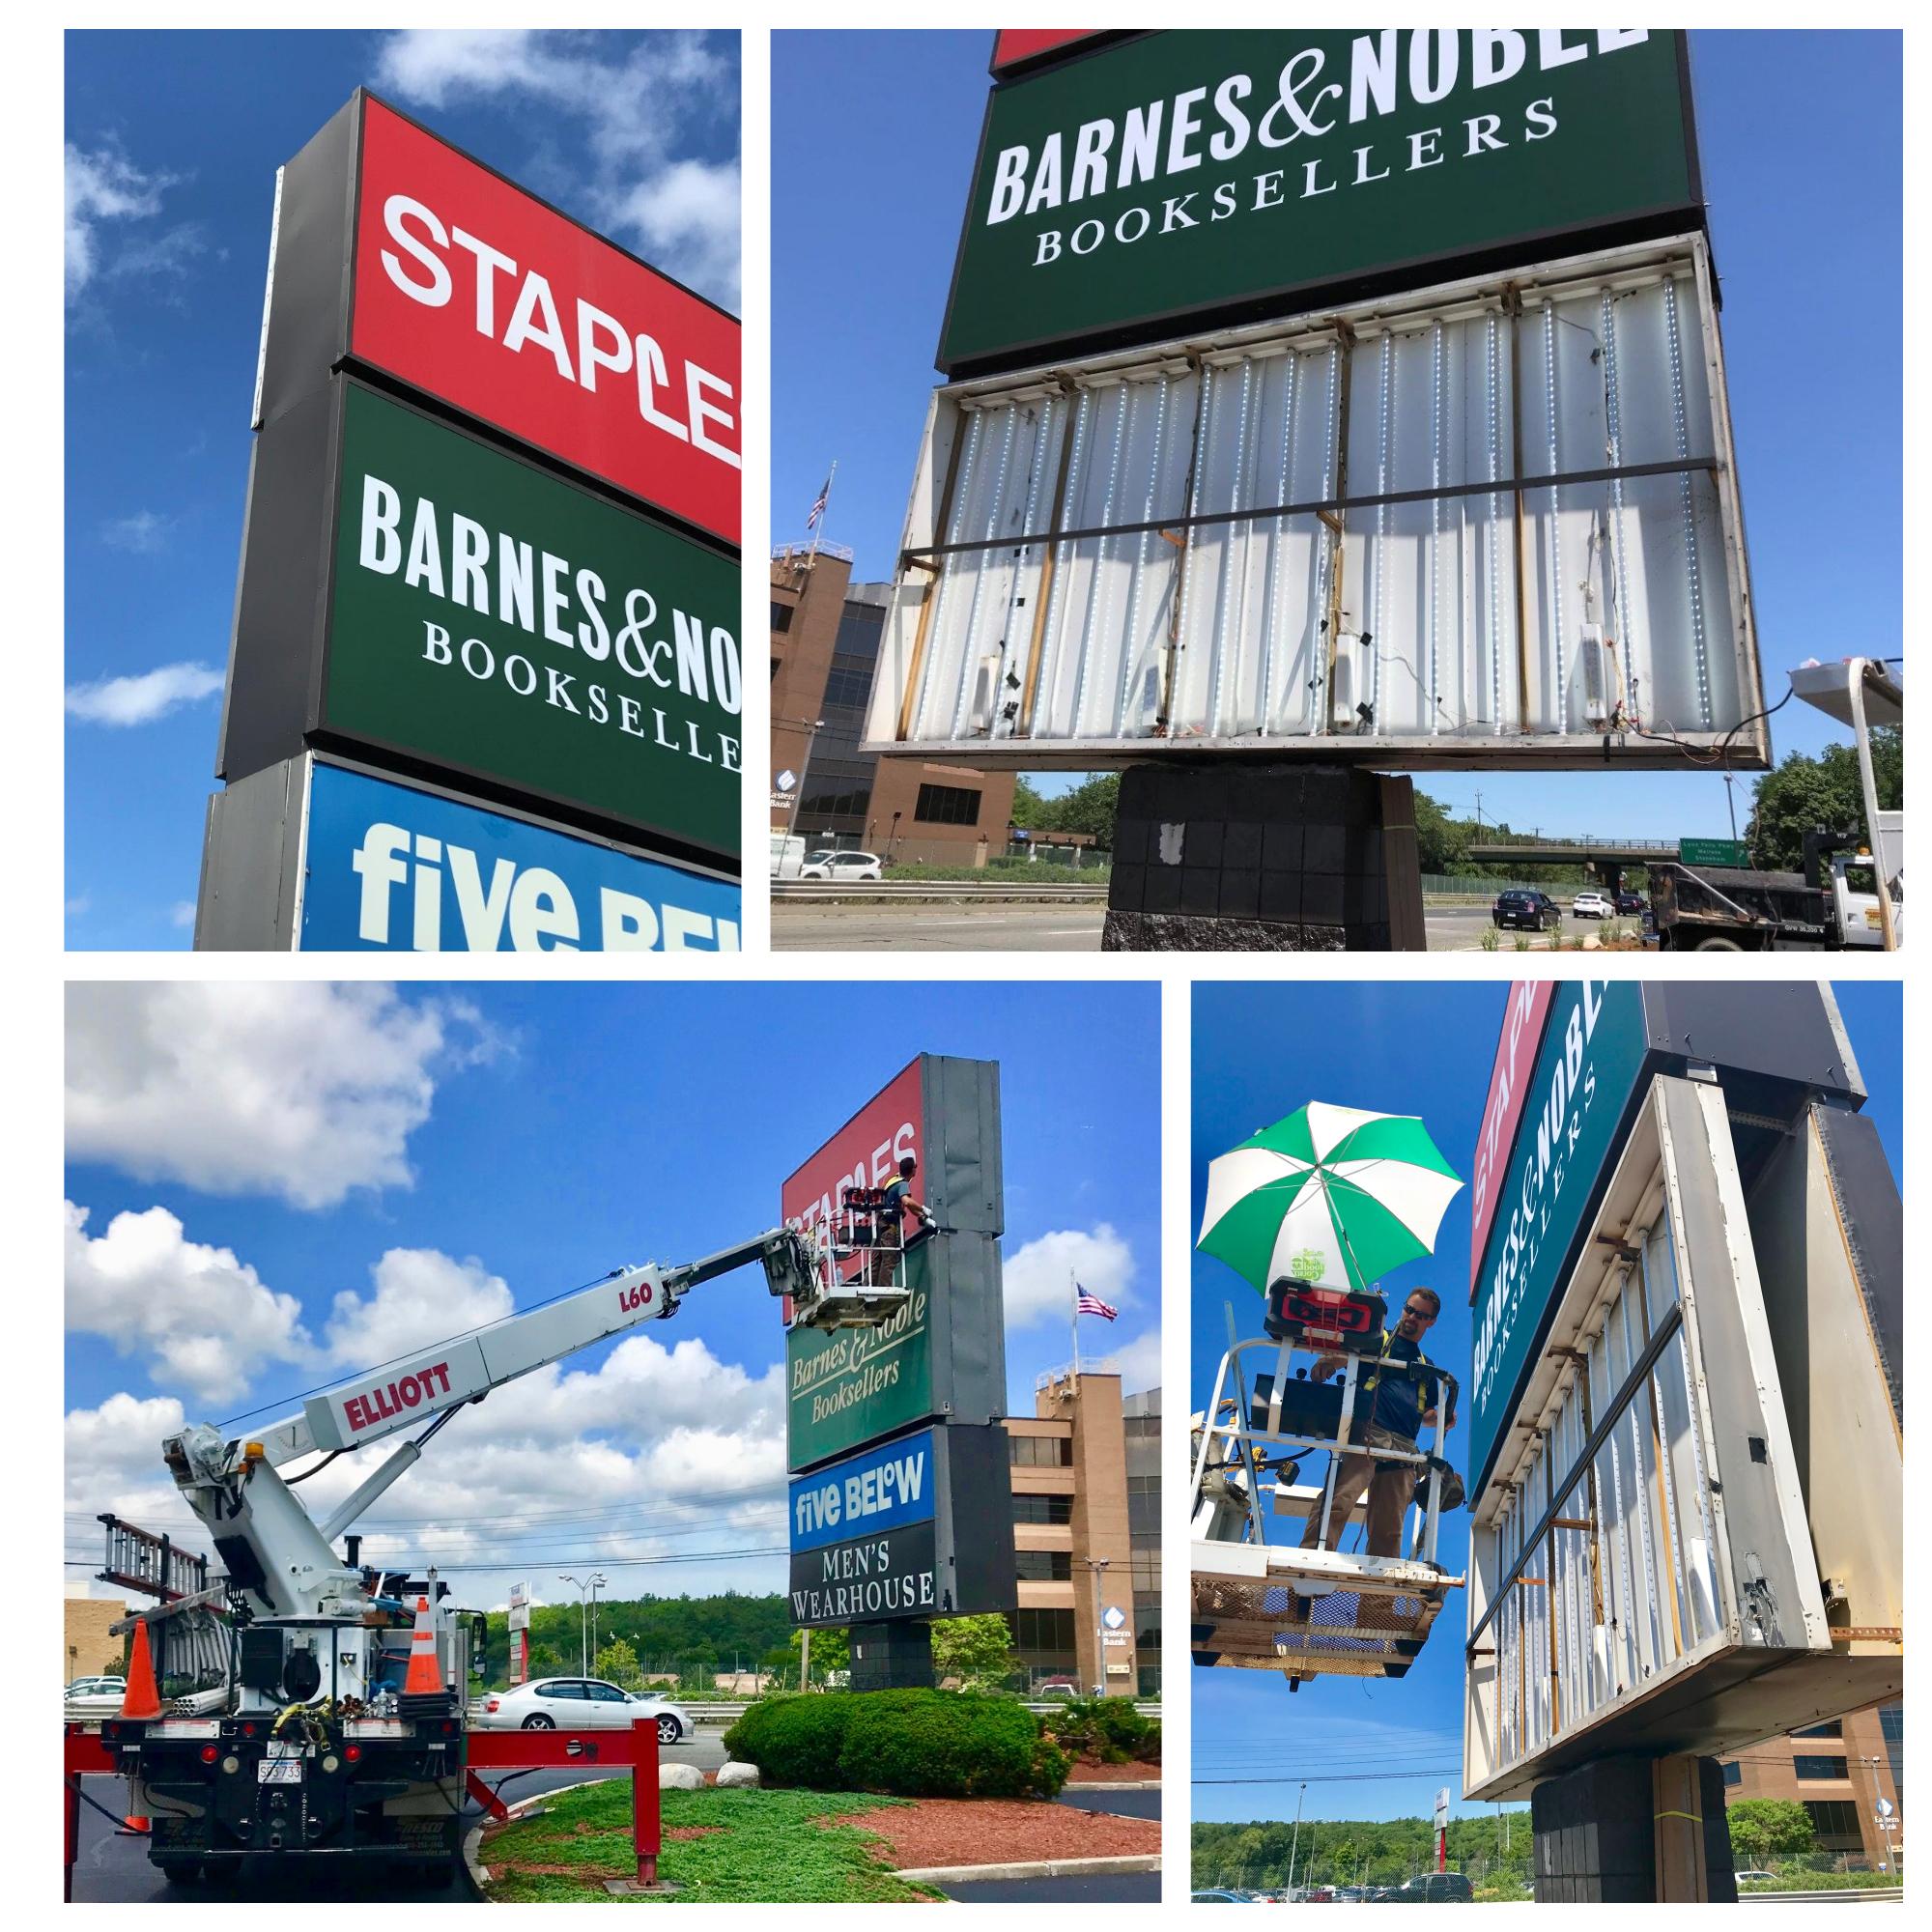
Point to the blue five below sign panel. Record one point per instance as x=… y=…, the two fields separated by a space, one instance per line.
x=881 y=1489
x=390 y=869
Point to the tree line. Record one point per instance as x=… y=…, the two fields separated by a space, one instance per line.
x=1801 y=794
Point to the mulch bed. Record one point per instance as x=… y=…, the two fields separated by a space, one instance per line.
x=1114 y=1774
x=691 y=1830
x=934 y=1832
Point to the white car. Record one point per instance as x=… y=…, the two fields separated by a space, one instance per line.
x=846 y=866
x=1592 y=905
x=96 y=1696
x=580 y=1704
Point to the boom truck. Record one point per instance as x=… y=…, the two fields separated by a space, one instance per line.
x=320 y=1741
x=1851 y=893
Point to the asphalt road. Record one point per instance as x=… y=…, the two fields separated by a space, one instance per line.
x=113 y=1869
x=799 y=926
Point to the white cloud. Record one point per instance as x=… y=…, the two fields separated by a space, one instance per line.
x=103 y=186
x=142 y=699
x=1036 y=1276
x=687 y=213
x=181 y=914
x=1136 y=1361
x=680 y=213
x=637 y=1465
x=145 y=533
x=205 y=1320
x=296 y=1089
x=113 y=1461
x=420 y=1296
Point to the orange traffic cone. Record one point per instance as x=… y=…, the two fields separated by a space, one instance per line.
x=142 y=1697
x=424 y=1678
x=141 y=1700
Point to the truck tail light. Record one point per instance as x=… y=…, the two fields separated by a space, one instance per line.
x=353 y=1752
x=209 y=1753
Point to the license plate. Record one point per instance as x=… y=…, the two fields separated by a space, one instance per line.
x=281 y=1771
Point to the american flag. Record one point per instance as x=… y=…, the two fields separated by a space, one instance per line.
x=1089 y=1303
x=818 y=507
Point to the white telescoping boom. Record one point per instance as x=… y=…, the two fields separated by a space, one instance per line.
x=285 y=1562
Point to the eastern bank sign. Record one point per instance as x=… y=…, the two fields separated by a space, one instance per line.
x=1567 y=1117
x=313 y=856
x=484 y=618
x=399 y=250
x=1224 y=174
x=919 y=1526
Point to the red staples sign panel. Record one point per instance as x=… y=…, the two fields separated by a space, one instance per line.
x=1013 y=45
x=1509 y=1080
x=865 y=1153
x=476 y=293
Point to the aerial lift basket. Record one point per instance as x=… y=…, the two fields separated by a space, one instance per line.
x=1319 y=1611
x=858 y=1265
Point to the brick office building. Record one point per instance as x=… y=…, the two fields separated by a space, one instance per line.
x=825 y=652
x=1839 y=1772
x=1086 y=1480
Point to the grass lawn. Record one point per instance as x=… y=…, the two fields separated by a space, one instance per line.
x=747 y=1847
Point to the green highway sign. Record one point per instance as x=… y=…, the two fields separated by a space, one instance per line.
x=1722 y=852
x=1230 y=173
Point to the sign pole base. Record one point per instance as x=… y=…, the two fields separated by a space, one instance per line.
x=1266 y=858
x=892 y=1656
x=1636 y=1831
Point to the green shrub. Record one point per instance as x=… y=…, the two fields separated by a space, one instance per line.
x=912 y=1744
x=794 y=1739
x=1050 y=1766
x=1107 y=1728
x=938 y=1744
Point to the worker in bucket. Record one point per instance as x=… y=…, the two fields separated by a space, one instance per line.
x=899 y=1202
x=1394 y=1422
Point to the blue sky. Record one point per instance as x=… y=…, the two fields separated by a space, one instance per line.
x=1259 y=1052
x=274 y=1187
x=872 y=145
x=173 y=142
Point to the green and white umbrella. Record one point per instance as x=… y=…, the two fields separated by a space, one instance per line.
x=1329 y=1195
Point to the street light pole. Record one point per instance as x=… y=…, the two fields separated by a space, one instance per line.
x=1294 y=1843
x=582 y=1626
x=597 y=1582
x=1099 y=1566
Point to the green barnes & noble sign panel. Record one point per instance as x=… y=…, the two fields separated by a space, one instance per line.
x=852 y=1386
x=493 y=619
x=1192 y=174
x=1593 y=1049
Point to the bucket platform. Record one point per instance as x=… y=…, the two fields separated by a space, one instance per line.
x=1314 y=1611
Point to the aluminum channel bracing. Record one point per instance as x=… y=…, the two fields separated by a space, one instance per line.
x=1453 y=622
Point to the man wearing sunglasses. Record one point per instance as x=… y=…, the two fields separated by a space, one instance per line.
x=1394 y=1423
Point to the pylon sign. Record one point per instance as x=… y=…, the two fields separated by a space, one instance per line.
x=520 y=1632
x=901 y=1503
x=491 y=530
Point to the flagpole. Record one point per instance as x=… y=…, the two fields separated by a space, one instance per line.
x=1074 y=1289
x=832 y=476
